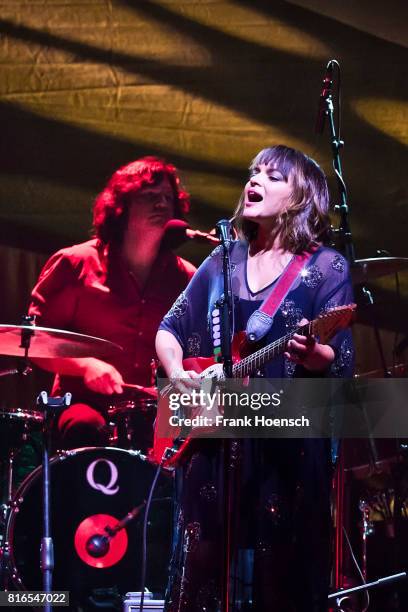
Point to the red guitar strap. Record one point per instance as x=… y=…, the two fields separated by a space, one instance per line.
x=260 y=322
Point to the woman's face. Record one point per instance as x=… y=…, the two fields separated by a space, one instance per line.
x=266 y=194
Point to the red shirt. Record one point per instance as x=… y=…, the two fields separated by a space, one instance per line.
x=87 y=288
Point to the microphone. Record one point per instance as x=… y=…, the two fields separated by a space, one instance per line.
x=327 y=86
x=224 y=231
x=179 y=232
x=97 y=545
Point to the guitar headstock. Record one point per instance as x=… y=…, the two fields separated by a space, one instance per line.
x=329 y=323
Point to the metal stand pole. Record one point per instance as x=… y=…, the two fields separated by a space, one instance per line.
x=223 y=228
x=369 y=585
x=49 y=405
x=344 y=230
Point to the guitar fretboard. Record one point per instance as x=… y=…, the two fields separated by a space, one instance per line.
x=253 y=362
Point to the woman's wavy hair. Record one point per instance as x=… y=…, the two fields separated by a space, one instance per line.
x=111 y=208
x=306 y=219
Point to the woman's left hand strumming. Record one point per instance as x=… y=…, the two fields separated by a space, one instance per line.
x=305 y=351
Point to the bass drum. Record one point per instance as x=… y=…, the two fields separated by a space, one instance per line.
x=91 y=489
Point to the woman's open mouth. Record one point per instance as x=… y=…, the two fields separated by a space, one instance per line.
x=253 y=196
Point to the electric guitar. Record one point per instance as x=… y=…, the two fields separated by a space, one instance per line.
x=245 y=363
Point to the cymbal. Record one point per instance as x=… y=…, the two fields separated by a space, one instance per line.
x=51 y=343
x=367 y=269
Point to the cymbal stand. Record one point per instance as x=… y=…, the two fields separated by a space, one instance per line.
x=49 y=405
x=7 y=490
x=26 y=335
x=369 y=301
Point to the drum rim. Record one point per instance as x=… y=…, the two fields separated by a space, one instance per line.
x=131 y=406
x=22 y=414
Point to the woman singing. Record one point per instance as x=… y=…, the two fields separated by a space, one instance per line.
x=282 y=514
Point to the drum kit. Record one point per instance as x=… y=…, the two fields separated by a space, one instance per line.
x=97 y=494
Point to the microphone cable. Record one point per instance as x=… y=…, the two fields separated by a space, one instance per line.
x=144 y=537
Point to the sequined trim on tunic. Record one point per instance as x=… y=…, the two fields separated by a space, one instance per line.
x=338 y=263
x=194 y=345
x=291 y=314
x=276 y=507
x=343 y=358
x=194 y=458
x=192 y=536
x=217 y=251
x=290 y=367
x=179 y=307
x=311 y=276
x=329 y=305
x=208 y=492
x=208 y=598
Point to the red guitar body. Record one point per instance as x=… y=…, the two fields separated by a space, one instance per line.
x=240 y=349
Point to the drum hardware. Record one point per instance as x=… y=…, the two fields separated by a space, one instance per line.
x=367 y=529
x=384 y=507
x=83 y=480
x=131 y=602
x=131 y=422
x=363 y=270
x=49 y=343
x=28 y=340
x=16 y=425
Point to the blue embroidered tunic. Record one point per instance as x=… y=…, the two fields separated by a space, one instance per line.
x=281 y=504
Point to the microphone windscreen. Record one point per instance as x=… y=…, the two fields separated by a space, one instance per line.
x=175 y=233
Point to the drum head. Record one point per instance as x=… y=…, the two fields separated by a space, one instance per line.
x=91 y=489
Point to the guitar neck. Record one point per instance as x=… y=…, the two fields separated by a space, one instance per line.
x=324 y=327
x=250 y=364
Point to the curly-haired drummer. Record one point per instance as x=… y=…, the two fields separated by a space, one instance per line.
x=117 y=286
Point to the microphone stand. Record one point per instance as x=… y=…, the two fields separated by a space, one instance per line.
x=229 y=464
x=50 y=405
x=345 y=237
x=344 y=230
x=347 y=246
